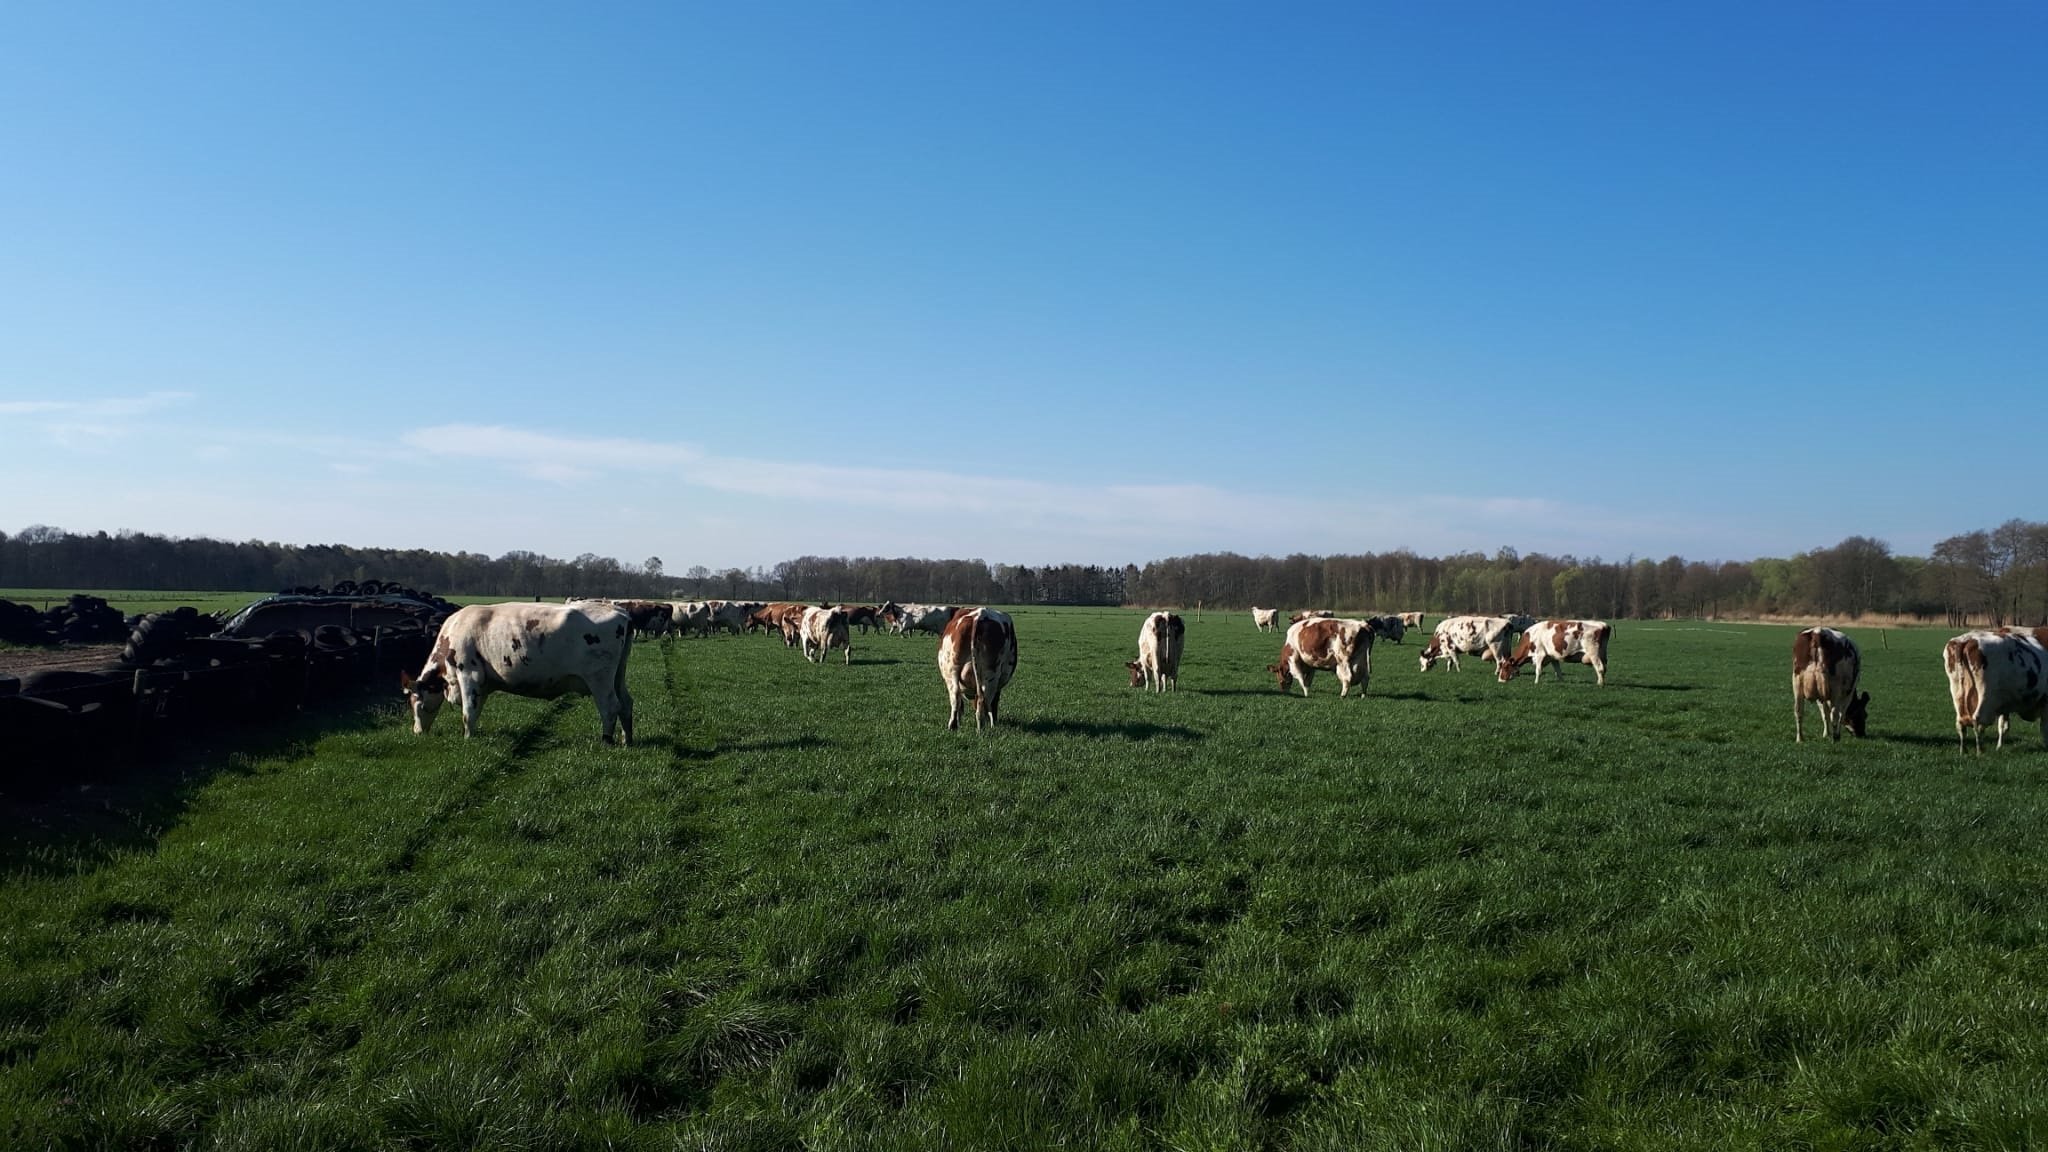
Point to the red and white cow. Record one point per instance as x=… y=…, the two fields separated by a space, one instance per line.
x=977 y=657
x=1310 y=614
x=823 y=629
x=1159 y=643
x=1560 y=641
x=783 y=616
x=1266 y=619
x=1825 y=668
x=537 y=650
x=1467 y=635
x=1411 y=619
x=1996 y=674
x=1341 y=646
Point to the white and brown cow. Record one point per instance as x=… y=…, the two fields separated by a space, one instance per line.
x=924 y=618
x=1340 y=646
x=1159 y=644
x=1467 y=635
x=1562 y=642
x=1388 y=627
x=537 y=650
x=1266 y=619
x=1993 y=675
x=1310 y=614
x=1825 y=668
x=824 y=629
x=1411 y=619
x=977 y=657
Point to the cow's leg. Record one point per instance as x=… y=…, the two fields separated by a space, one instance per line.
x=953 y=694
x=1798 y=715
x=472 y=704
x=1343 y=671
x=2003 y=721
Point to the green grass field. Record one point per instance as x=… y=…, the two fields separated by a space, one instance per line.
x=800 y=913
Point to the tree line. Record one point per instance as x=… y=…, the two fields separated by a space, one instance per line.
x=1997 y=575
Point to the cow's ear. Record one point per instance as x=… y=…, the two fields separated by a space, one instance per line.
x=405 y=680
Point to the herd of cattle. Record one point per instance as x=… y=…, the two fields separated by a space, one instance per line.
x=547 y=650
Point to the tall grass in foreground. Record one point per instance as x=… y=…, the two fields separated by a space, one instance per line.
x=1453 y=915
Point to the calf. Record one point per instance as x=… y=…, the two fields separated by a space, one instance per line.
x=1993 y=675
x=1342 y=646
x=1825 y=667
x=537 y=650
x=822 y=629
x=1561 y=641
x=1266 y=619
x=1484 y=635
x=1159 y=643
x=977 y=657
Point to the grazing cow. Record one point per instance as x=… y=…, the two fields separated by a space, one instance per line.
x=1455 y=635
x=1342 y=646
x=925 y=618
x=1310 y=614
x=1996 y=674
x=1825 y=666
x=823 y=629
x=1266 y=619
x=1388 y=627
x=1563 y=642
x=1411 y=619
x=1280 y=670
x=538 y=650
x=977 y=657
x=1159 y=643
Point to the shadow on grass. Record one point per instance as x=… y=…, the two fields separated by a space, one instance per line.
x=870 y=660
x=1268 y=691
x=83 y=814
x=1657 y=687
x=1132 y=730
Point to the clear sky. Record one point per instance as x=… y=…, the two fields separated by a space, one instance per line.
x=729 y=283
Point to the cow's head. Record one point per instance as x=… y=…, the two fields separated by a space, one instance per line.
x=426 y=693
x=1137 y=671
x=1432 y=652
x=1283 y=671
x=1505 y=669
x=1858 y=713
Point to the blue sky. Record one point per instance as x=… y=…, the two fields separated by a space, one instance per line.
x=732 y=283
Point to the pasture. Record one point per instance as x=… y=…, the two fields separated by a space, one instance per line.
x=1451 y=915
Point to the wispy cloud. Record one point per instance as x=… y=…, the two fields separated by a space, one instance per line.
x=1154 y=514
x=103 y=408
